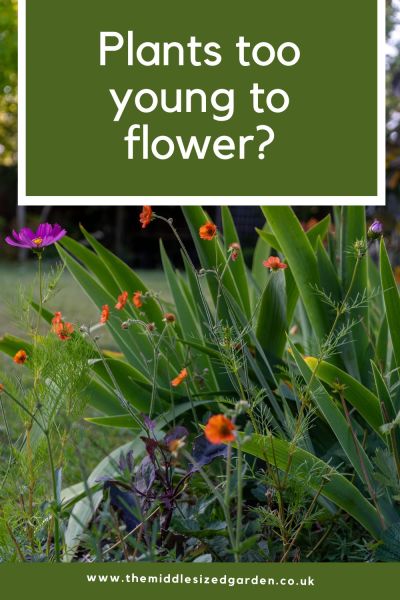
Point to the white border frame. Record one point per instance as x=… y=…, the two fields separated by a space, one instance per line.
x=24 y=200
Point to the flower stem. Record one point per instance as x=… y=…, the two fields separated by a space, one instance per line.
x=228 y=477
x=45 y=432
x=220 y=279
x=239 y=470
x=40 y=276
x=56 y=502
x=220 y=500
x=341 y=309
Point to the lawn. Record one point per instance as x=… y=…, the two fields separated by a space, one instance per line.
x=94 y=442
x=69 y=297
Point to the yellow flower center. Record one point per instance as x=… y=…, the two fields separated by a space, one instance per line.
x=37 y=241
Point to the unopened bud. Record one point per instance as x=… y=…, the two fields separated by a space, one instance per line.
x=375 y=230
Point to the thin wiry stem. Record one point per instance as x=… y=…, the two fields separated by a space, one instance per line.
x=9 y=440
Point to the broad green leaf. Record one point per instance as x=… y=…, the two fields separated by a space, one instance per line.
x=328 y=276
x=298 y=252
x=205 y=323
x=292 y=295
x=46 y=314
x=353 y=229
x=237 y=267
x=198 y=294
x=126 y=279
x=338 y=489
x=83 y=511
x=208 y=350
x=262 y=251
x=10 y=344
x=115 y=276
x=133 y=342
x=269 y=238
x=383 y=394
x=261 y=365
x=185 y=287
x=382 y=343
x=335 y=418
x=271 y=323
x=389 y=412
x=211 y=256
x=94 y=264
x=121 y=421
x=218 y=374
x=72 y=494
x=320 y=229
x=101 y=398
x=374 y=282
x=366 y=403
x=126 y=421
x=188 y=320
x=392 y=301
x=135 y=387
x=126 y=377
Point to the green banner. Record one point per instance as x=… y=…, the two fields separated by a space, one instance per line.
x=204 y=98
x=198 y=581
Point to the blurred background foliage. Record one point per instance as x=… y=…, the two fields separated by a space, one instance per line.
x=117 y=227
x=8 y=82
x=392 y=103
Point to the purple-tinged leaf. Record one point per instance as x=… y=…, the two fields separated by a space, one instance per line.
x=125 y=503
x=145 y=476
x=204 y=452
x=177 y=433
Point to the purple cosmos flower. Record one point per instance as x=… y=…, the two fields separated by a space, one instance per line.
x=45 y=235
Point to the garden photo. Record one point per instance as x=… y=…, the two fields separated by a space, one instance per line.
x=239 y=408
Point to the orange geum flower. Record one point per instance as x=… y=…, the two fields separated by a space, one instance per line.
x=57 y=318
x=122 y=300
x=20 y=357
x=208 y=231
x=137 y=299
x=274 y=263
x=105 y=313
x=219 y=430
x=179 y=378
x=56 y=322
x=146 y=216
x=63 y=330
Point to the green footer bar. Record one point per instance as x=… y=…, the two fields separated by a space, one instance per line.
x=338 y=581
